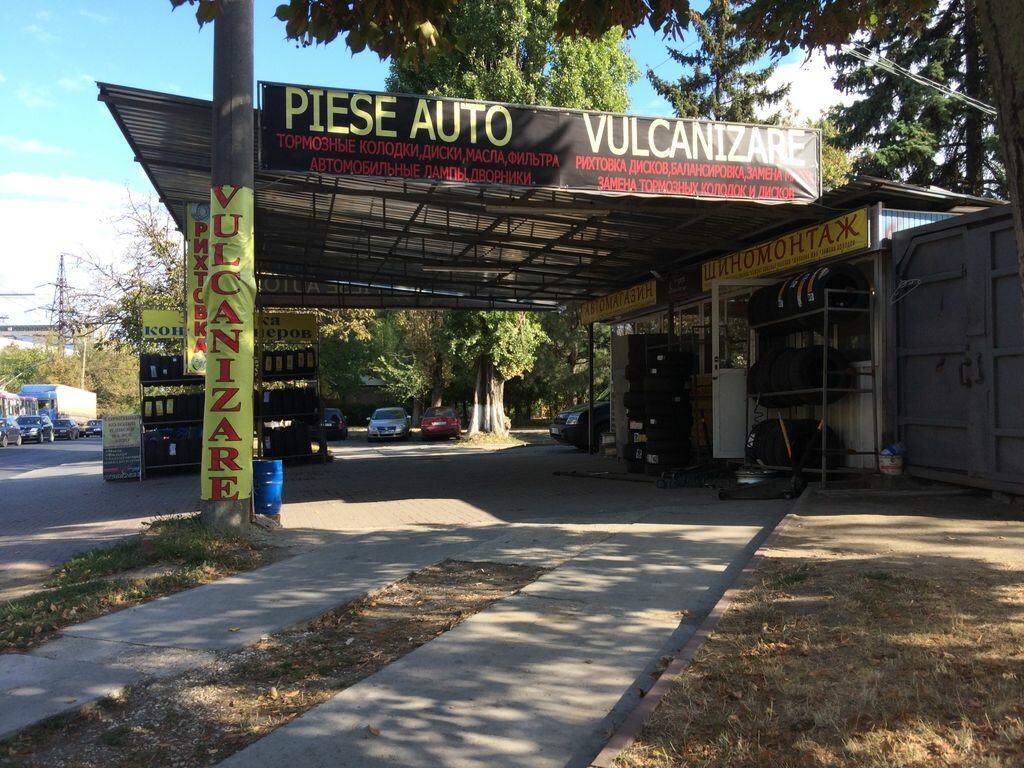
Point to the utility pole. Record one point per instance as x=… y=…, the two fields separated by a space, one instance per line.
x=230 y=289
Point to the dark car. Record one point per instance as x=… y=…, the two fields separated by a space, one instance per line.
x=570 y=426
x=94 y=427
x=66 y=429
x=36 y=429
x=10 y=432
x=440 y=421
x=335 y=424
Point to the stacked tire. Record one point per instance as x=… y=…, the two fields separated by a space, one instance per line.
x=634 y=400
x=668 y=411
x=784 y=376
x=787 y=306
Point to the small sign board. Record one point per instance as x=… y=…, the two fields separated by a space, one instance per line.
x=122 y=448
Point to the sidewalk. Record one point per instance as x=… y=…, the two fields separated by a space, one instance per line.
x=540 y=679
x=579 y=640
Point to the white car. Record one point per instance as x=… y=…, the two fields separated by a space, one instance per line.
x=388 y=424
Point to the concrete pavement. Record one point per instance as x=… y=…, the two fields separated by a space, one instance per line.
x=626 y=558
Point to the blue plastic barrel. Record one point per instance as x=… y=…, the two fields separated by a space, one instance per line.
x=267 y=479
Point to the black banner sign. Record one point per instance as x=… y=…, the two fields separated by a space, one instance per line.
x=359 y=133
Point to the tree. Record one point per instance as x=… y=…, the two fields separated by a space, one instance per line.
x=345 y=353
x=149 y=274
x=507 y=52
x=720 y=81
x=904 y=129
x=413 y=29
x=504 y=345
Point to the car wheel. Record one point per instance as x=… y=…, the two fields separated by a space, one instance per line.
x=3 y=440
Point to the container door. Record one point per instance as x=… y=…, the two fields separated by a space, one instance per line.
x=960 y=356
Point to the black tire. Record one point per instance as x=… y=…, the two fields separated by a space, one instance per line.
x=664 y=385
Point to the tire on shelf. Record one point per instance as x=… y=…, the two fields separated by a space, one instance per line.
x=835 y=277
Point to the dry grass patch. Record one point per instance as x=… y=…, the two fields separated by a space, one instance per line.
x=200 y=718
x=853 y=664
x=99 y=582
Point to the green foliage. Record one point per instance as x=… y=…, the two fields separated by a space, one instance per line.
x=720 y=81
x=411 y=32
x=902 y=129
x=345 y=352
x=561 y=375
x=507 y=340
x=506 y=52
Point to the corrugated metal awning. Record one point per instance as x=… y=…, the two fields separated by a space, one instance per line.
x=388 y=242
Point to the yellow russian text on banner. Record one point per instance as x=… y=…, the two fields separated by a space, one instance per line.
x=619 y=303
x=197 y=265
x=842 y=235
x=230 y=298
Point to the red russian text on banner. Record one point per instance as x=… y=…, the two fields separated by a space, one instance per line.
x=230 y=298
x=197 y=266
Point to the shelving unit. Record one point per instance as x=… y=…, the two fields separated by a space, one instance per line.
x=822 y=409
x=172 y=415
x=289 y=419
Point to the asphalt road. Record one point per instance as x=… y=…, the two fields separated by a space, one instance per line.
x=54 y=503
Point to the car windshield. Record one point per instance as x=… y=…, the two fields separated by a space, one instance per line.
x=439 y=412
x=29 y=420
x=95 y=422
x=382 y=414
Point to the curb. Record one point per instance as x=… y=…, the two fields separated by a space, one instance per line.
x=624 y=736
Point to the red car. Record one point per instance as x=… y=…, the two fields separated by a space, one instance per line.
x=441 y=421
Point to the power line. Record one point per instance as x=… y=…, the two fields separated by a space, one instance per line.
x=887 y=65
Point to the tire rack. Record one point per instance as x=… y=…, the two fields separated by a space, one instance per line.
x=829 y=314
x=166 y=372
x=659 y=411
x=261 y=415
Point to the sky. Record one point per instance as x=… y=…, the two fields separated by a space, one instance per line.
x=65 y=169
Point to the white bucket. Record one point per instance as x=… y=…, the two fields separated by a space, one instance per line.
x=889 y=464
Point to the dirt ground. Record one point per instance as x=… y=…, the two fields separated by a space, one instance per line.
x=879 y=630
x=200 y=718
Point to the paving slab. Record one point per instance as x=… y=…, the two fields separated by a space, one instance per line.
x=538 y=679
x=35 y=688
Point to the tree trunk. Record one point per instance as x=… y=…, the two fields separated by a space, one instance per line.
x=1002 y=28
x=488 y=401
x=437 y=382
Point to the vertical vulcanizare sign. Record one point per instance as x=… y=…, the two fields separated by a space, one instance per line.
x=230 y=298
x=359 y=133
x=197 y=265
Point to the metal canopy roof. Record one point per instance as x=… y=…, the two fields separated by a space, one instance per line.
x=394 y=243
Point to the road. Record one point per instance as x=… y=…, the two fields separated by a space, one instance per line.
x=54 y=503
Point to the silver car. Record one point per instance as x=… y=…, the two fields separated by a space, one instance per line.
x=10 y=432
x=388 y=424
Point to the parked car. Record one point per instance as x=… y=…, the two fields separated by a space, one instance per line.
x=66 y=429
x=440 y=421
x=94 y=427
x=570 y=426
x=36 y=429
x=335 y=424
x=10 y=432
x=388 y=423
